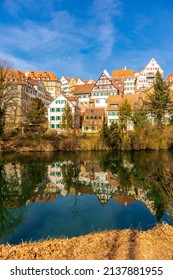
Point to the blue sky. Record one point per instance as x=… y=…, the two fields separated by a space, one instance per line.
x=81 y=38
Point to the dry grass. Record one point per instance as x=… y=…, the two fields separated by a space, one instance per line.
x=154 y=244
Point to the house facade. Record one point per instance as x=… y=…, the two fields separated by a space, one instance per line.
x=102 y=89
x=57 y=108
x=23 y=90
x=127 y=78
x=93 y=120
x=169 y=80
x=114 y=103
x=51 y=82
x=146 y=77
x=83 y=92
x=65 y=85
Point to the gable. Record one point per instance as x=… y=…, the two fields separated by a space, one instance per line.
x=59 y=97
x=103 y=83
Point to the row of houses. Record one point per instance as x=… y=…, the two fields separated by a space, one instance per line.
x=97 y=104
x=92 y=119
x=93 y=103
x=127 y=81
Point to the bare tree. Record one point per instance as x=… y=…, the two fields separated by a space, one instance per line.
x=8 y=94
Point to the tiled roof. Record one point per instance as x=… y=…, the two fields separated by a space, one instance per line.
x=83 y=89
x=67 y=79
x=122 y=73
x=135 y=100
x=170 y=78
x=91 y=81
x=42 y=75
x=15 y=76
x=72 y=98
x=95 y=111
x=75 y=79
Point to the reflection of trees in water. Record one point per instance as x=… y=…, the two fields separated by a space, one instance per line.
x=151 y=171
x=19 y=182
x=161 y=180
x=9 y=218
x=70 y=173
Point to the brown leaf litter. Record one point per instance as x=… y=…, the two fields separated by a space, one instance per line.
x=154 y=244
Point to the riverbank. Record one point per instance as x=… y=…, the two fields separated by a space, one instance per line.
x=154 y=244
x=51 y=141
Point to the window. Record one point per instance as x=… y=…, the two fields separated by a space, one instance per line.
x=113 y=105
x=97 y=101
x=58 y=118
x=52 y=118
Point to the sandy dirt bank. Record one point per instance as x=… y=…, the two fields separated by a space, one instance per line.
x=154 y=244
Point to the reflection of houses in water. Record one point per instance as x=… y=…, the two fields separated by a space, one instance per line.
x=99 y=181
x=142 y=196
x=104 y=184
x=103 y=191
x=56 y=178
x=55 y=174
x=120 y=197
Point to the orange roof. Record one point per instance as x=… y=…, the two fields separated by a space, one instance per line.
x=42 y=75
x=81 y=89
x=15 y=75
x=135 y=100
x=95 y=111
x=72 y=98
x=75 y=79
x=122 y=73
x=91 y=81
x=124 y=199
x=170 y=78
x=67 y=79
x=91 y=101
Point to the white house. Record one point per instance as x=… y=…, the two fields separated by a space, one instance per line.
x=56 y=110
x=102 y=89
x=145 y=78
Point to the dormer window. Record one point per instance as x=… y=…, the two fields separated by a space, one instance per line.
x=113 y=105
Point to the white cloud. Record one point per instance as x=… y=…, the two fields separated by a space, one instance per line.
x=104 y=13
x=17 y=63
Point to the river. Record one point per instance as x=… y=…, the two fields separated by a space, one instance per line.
x=66 y=194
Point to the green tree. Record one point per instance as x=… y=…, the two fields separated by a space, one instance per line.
x=67 y=118
x=111 y=136
x=160 y=100
x=125 y=113
x=140 y=119
x=36 y=113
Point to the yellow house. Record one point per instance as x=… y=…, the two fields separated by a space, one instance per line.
x=72 y=84
x=51 y=82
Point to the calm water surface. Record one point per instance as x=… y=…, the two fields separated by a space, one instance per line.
x=72 y=194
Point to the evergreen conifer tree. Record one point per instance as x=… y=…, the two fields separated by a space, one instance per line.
x=160 y=100
x=67 y=118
